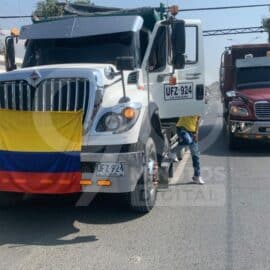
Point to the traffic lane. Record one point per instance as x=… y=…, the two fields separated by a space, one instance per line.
x=27 y=222
x=204 y=211
x=249 y=215
x=234 y=235
x=247 y=212
x=37 y=235
x=51 y=233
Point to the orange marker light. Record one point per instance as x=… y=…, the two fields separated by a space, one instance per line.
x=15 y=32
x=104 y=183
x=86 y=182
x=172 y=80
x=129 y=113
x=174 y=10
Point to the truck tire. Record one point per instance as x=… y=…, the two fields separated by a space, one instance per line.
x=164 y=172
x=143 y=198
x=9 y=198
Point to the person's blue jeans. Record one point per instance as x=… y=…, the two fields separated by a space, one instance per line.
x=187 y=139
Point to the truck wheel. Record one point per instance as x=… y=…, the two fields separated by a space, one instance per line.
x=163 y=172
x=9 y=198
x=143 y=198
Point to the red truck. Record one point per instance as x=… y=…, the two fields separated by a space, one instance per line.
x=245 y=89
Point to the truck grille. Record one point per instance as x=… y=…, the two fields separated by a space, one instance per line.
x=262 y=110
x=49 y=95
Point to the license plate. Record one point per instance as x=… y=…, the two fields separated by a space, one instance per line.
x=178 y=92
x=110 y=170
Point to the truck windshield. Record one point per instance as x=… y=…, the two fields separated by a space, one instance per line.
x=93 y=49
x=255 y=77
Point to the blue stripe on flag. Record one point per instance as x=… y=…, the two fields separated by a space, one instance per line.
x=40 y=162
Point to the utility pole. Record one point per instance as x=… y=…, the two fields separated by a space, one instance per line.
x=266 y=25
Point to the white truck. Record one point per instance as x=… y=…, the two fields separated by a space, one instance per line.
x=131 y=74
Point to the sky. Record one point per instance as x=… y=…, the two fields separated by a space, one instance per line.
x=218 y=19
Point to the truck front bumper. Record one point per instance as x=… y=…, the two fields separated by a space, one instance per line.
x=133 y=165
x=257 y=130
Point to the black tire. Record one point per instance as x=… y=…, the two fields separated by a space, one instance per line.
x=143 y=198
x=164 y=172
x=10 y=198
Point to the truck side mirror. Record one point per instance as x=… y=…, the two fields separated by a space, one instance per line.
x=178 y=44
x=125 y=63
x=231 y=94
x=10 y=54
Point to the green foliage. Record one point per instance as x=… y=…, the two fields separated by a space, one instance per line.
x=266 y=25
x=48 y=8
x=86 y=2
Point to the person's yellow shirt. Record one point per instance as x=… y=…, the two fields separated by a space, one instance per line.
x=190 y=123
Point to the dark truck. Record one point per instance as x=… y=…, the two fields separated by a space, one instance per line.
x=245 y=91
x=249 y=101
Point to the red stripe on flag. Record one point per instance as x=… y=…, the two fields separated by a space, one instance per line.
x=40 y=183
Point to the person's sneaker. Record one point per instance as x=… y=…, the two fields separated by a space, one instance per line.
x=198 y=180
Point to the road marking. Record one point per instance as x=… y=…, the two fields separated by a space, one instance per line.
x=180 y=169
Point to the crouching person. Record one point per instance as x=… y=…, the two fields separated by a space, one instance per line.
x=188 y=133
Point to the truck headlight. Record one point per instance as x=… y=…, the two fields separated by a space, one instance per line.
x=239 y=111
x=119 y=119
x=112 y=122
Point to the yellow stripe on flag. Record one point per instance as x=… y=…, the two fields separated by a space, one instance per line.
x=23 y=131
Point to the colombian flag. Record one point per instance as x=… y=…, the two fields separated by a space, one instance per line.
x=40 y=152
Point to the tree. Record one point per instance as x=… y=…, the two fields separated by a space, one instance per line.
x=85 y=2
x=48 y=8
x=266 y=25
x=53 y=8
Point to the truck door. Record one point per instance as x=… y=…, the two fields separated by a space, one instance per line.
x=187 y=97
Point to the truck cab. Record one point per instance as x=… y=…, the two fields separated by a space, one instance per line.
x=249 y=105
x=128 y=72
x=227 y=72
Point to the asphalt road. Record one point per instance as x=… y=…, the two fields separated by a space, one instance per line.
x=222 y=225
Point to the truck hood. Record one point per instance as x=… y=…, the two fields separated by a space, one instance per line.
x=60 y=71
x=113 y=90
x=255 y=94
